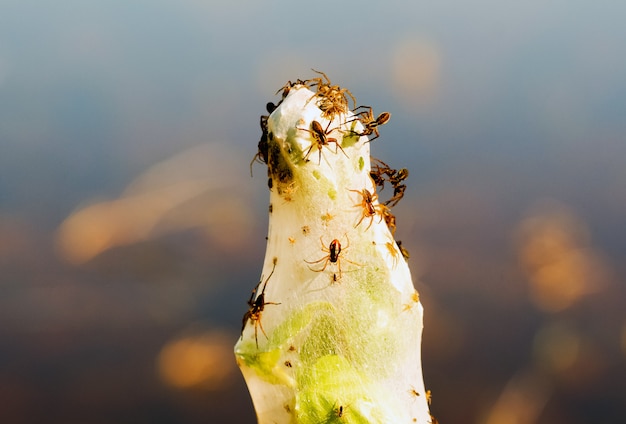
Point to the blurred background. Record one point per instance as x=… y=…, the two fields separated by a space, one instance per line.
x=131 y=233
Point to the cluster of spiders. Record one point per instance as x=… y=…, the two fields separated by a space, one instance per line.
x=332 y=100
x=321 y=136
x=369 y=210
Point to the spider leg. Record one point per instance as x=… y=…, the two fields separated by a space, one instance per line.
x=317 y=262
x=323 y=268
x=371 y=222
x=246 y=317
x=308 y=151
x=339 y=267
x=374 y=131
x=360 y=220
x=262 y=330
x=360 y=107
x=352 y=97
x=337 y=146
x=352 y=262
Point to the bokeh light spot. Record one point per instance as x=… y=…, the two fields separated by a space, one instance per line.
x=196 y=188
x=203 y=360
x=553 y=249
x=521 y=401
x=416 y=69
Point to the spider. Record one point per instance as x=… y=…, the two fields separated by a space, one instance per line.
x=369 y=209
x=405 y=253
x=398 y=189
x=393 y=252
x=263 y=146
x=257 y=306
x=337 y=412
x=320 y=140
x=390 y=218
x=333 y=250
x=270 y=107
x=398 y=192
x=289 y=85
x=381 y=172
x=415 y=297
x=414 y=393
x=340 y=411
x=367 y=119
x=333 y=98
x=289 y=191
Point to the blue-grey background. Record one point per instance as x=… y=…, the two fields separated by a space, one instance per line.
x=131 y=232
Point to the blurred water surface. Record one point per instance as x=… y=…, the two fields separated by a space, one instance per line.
x=131 y=233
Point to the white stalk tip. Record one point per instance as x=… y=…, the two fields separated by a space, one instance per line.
x=333 y=330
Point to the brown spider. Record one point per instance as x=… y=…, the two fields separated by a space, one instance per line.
x=270 y=107
x=398 y=189
x=340 y=411
x=320 y=139
x=289 y=191
x=414 y=393
x=263 y=146
x=367 y=119
x=398 y=192
x=415 y=297
x=381 y=172
x=405 y=253
x=369 y=209
x=289 y=85
x=390 y=218
x=332 y=98
x=333 y=250
x=257 y=306
x=335 y=412
x=393 y=252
